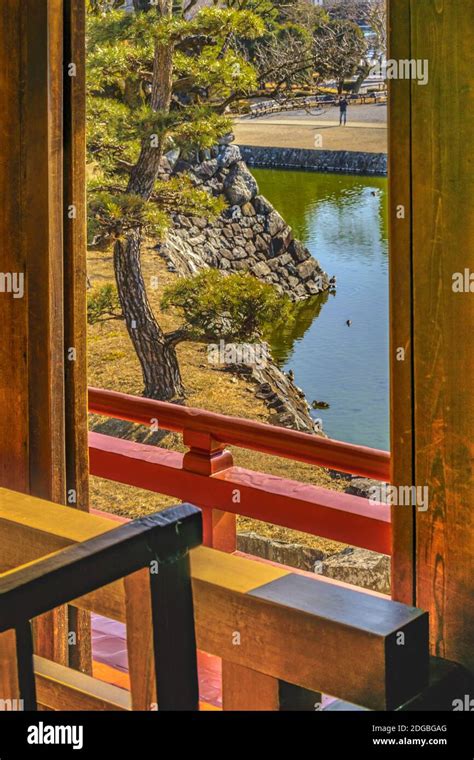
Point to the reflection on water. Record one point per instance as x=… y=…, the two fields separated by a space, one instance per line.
x=343 y=221
x=285 y=335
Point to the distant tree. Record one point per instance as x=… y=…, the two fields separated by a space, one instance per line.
x=375 y=16
x=372 y=13
x=232 y=307
x=284 y=55
x=307 y=45
x=339 y=46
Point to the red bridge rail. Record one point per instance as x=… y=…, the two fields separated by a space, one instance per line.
x=205 y=475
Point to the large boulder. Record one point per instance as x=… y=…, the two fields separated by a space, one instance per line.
x=206 y=169
x=262 y=206
x=363 y=487
x=228 y=155
x=240 y=185
x=294 y=555
x=275 y=223
x=359 y=567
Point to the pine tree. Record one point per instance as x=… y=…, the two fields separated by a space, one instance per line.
x=157 y=80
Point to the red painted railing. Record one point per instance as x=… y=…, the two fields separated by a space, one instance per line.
x=206 y=476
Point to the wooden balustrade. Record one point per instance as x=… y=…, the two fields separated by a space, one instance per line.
x=206 y=475
x=258 y=436
x=270 y=626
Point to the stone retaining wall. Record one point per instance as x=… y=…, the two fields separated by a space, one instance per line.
x=249 y=236
x=336 y=161
x=359 y=567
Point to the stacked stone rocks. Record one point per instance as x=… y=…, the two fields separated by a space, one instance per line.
x=333 y=161
x=286 y=403
x=249 y=236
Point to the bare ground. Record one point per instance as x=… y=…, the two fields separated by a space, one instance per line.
x=366 y=130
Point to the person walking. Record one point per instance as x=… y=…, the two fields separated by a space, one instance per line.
x=342 y=111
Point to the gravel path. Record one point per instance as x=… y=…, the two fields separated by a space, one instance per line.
x=366 y=129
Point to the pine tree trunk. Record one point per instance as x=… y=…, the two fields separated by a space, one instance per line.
x=158 y=359
x=145 y=171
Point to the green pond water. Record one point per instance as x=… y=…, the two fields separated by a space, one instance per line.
x=343 y=221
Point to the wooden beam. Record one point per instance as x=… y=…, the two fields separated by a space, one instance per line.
x=174 y=636
x=75 y=321
x=9 y=687
x=247 y=689
x=74 y=221
x=139 y=640
x=276 y=638
x=42 y=229
x=164 y=537
x=31 y=528
x=63 y=526
x=443 y=241
x=448 y=683
x=14 y=425
x=61 y=688
x=37 y=398
x=431 y=174
x=249 y=434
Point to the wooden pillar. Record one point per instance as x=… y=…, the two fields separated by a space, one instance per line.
x=401 y=301
x=75 y=277
x=9 y=686
x=42 y=386
x=432 y=142
x=248 y=690
x=138 y=618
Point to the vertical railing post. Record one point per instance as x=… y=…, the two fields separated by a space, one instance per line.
x=206 y=457
x=26 y=674
x=174 y=638
x=9 y=686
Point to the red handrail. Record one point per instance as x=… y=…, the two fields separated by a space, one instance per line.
x=269 y=498
x=258 y=436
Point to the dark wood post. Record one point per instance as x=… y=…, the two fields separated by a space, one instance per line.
x=42 y=386
x=432 y=177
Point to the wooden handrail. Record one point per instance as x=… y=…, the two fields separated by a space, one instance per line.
x=258 y=436
x=48 y=582
x=289 y=503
